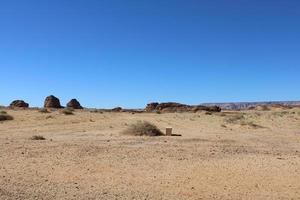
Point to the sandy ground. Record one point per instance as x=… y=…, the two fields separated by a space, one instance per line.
x=84 y=156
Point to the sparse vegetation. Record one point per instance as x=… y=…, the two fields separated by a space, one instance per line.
x=96 y=111
x=240 y=119
x=234 y=119
x=3 y=112
x=143 y=128
x=67 y=111
x=280 y=114
x=44 y=110
x=5 y=116
x=251 y=124
x=38 y=137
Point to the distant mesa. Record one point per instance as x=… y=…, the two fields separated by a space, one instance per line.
x=171 y=107
x=74 y=103
x=19 y=104
x=52 y=102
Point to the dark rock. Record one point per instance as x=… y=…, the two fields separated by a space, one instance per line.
x=171 y=107
x=73 y=103
x=19 y=104
x=151 y=107
x=117 y=109
x=52 y=102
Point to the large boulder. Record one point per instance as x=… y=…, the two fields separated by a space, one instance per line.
x=52 y=102
x=19 y=104
x=73 y=103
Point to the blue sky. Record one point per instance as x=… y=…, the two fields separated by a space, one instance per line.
x=109 y=53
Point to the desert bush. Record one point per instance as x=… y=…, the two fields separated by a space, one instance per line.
x=143 y=128
x=38 y=137
x=280 y=114
x=4 y=116
x=3 y=112
x=44 y=110
x=96 y=111
x=67 y=111
x=234 y=119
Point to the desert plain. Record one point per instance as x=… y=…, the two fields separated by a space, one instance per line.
x=228 y=155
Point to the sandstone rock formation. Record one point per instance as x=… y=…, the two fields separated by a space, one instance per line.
x=73 y=103
x=52 y=102
x=177 y=107
x=151 y=107
x=19 y=104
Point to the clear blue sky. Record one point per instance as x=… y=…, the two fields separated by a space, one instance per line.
x=111 y=53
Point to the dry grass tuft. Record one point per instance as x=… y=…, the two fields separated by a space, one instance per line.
x=234 y=119
x=251 y=125
x=45 y=110
x=4 y=116
x=67 y=111
x=143 y=128
x=37 y=137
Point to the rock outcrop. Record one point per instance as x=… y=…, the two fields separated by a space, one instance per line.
x=52 y=102
x=151 y=106
x=73 y=103
x=177 y=107
x=117 y=109
x=19 y=104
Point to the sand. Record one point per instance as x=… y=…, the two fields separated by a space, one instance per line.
x=85 y=156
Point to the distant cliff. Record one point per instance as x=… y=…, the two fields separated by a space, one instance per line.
x=247 y=105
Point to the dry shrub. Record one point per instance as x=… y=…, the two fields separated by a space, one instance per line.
x=143 y=128
x=234 y=119
x=37 y=137
x=208 y=113
x=3 y=112
x=67 y=111
x=4 y=116
x=280 y=114
x=45 y=110
x=96 y=111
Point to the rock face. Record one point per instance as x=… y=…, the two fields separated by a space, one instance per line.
x=151 y=107
x=73 y=103
x=19 y=104
x=177 y=107
x=52 y=102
